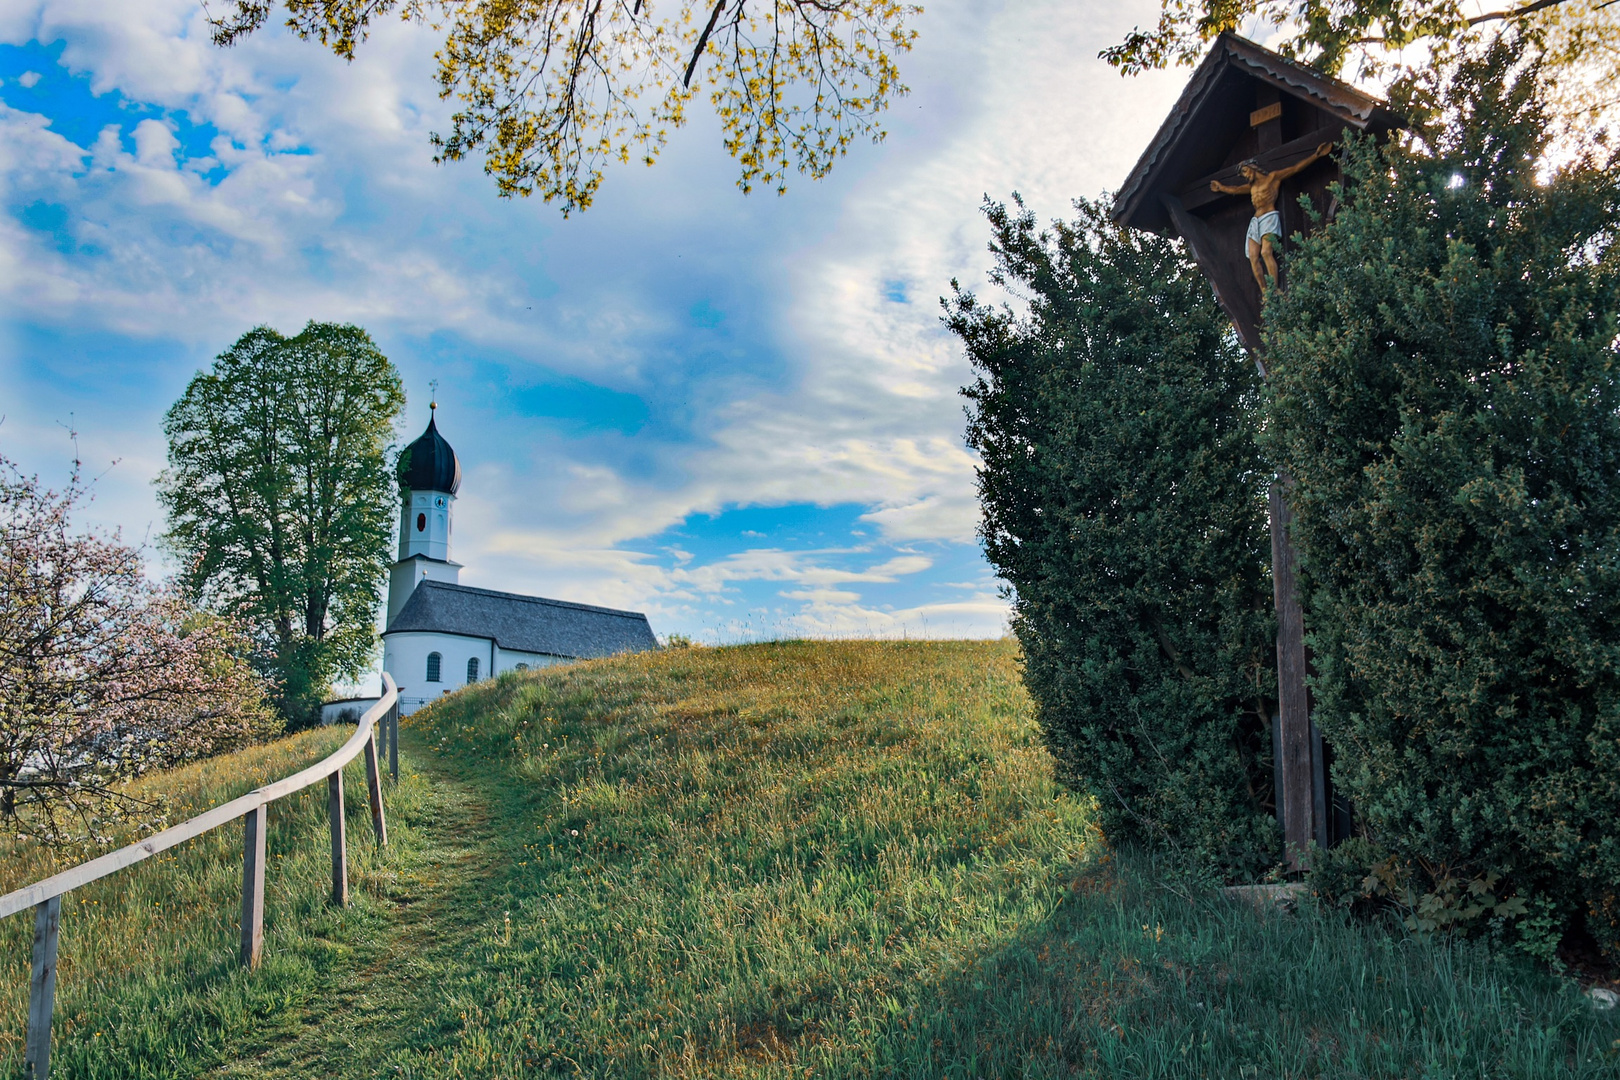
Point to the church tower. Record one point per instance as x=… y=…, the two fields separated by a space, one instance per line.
x=429 y=475
x=443 y=635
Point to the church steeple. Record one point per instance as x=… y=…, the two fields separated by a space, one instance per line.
x=429 y=464
x=429 y=477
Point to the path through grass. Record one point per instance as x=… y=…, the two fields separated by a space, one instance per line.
x=375 y=999
x=786 y=860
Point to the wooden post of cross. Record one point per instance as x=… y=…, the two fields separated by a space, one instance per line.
x=1248 y=138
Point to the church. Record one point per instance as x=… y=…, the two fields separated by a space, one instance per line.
x=442 y=635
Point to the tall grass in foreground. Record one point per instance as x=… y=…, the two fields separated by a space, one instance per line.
x=1133 y=977
x=780 y=860
x=748 y=860
x=852 y=860
x=149 y=983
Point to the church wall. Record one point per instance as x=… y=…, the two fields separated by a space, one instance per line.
x=425 y=525
x=405 y=657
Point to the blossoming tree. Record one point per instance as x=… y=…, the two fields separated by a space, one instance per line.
x=103 y=674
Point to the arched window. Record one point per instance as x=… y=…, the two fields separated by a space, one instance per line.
x=472 y=670
x=433 y=666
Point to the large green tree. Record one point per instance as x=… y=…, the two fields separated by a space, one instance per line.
x=1446 y=390
x=1124 y=503
x=281 y=503
x=552 y=91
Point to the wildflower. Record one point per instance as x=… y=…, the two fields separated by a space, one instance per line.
x=573 y=832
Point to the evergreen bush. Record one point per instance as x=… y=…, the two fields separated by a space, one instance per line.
x=1445 y=392
x=1124 y=503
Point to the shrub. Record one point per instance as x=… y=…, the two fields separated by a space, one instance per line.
x=1124 y=503
x=1447 y=394
x=103 y=676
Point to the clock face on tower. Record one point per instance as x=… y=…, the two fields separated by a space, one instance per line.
x=438 y=501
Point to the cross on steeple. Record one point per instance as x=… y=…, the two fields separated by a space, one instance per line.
x=433 y=388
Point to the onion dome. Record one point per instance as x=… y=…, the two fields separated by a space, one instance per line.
x=428 y=464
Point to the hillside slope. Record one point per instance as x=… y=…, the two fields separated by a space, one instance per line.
x=794 y=859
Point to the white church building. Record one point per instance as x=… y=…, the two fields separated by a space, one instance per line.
x=441 y=635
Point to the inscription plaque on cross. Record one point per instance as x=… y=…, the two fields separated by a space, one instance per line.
x=1248 y=139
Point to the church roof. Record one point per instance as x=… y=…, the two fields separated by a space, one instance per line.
x=428 y=464
x=523 y=623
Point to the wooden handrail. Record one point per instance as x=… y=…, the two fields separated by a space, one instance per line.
x=45 y=896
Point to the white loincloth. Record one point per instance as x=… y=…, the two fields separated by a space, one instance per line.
x=1265 y=225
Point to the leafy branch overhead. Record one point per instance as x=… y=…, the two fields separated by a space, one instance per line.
x=1580 y=38
x=551 y=92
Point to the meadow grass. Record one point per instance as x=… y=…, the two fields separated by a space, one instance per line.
x=774 y=860
x=148 y=983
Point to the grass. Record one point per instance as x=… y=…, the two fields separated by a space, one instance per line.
x=795 y=859
x=148 y=981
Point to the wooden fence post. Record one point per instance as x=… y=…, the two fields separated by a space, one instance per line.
x=42 y=988
x=340 y=861
x=252 y=809
x=254 y=824
x=379 y=824
x=393 y=741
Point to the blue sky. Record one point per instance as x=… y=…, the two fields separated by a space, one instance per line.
x=738 y=413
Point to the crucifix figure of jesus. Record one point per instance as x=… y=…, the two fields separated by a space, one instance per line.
x=1262 y=189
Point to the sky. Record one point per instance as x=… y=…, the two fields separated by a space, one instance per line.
x=737 y=413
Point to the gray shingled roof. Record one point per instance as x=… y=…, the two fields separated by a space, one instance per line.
x=523 y=623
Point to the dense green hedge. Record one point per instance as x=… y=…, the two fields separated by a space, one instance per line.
x=1124 y=502
x=1447 y=393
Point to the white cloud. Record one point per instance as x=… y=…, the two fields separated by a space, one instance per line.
x=822 y=597
x=833 y=614
x=873 y=415
x=951 y=516
x=155 y=145
x=774 y=564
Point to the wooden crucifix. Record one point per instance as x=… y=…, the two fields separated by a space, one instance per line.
x=1250 y=135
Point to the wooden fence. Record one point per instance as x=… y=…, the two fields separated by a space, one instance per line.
x=45 y=897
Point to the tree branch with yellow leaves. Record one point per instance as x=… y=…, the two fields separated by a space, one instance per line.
x=551 y=92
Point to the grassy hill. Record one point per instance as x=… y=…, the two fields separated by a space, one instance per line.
x=796 y=859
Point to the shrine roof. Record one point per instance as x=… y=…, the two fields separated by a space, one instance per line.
x=1191 y=121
